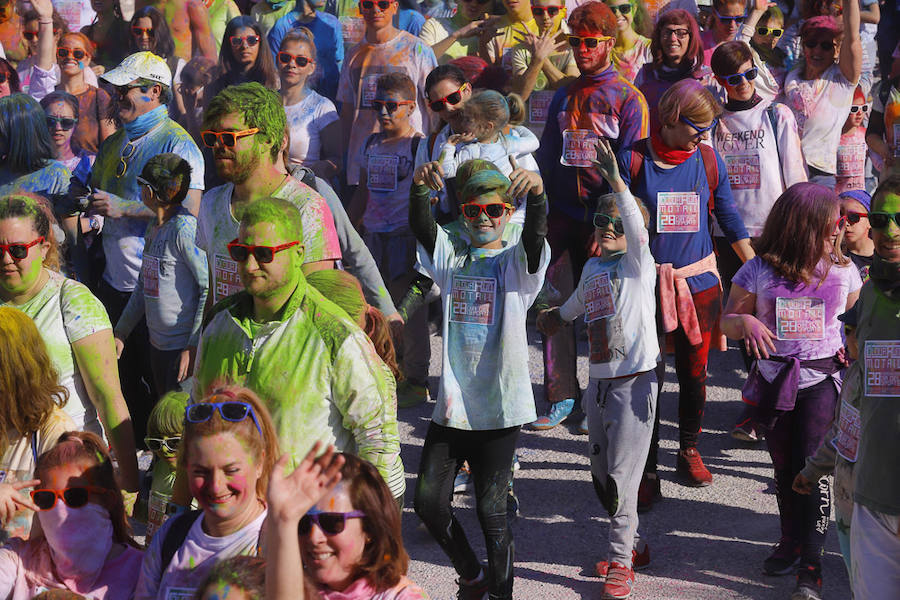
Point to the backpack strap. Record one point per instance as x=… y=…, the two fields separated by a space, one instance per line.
x=637 y=158
x=432 y=140
x=711 y=166
x=414 y=147
x=175 y=536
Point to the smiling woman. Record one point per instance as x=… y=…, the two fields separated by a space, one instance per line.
x=228 y=450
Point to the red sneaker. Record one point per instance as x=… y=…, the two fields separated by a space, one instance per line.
x=649 y=492
x=691 y=469
x=639 y=561
x=619 y=582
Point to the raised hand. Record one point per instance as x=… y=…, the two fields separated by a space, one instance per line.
x=606 y=161
x=430 y=174
x=291 y=496
x=523 y=181
x=12 y=500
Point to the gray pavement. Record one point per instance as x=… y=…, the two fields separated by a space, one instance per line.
x=705 y=544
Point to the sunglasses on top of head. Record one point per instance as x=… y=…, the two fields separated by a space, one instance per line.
x=18 y=252
x=750 y=74
x=76 y=53
x=826 y=46
x=285 y=58
x=331 y=523
x=390 y=105
x=73 y=497
x=539 y=11
x=263 y=254
x=370 y=4
x=589 y=42
x=238 y=40
x=232 y=410
x=495 y=210
x=451 y=99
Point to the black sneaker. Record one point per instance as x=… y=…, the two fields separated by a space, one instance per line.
x=477 y=590
x=809 y=584
x=783 y=560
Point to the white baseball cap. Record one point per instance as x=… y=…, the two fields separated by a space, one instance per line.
x=141 y=65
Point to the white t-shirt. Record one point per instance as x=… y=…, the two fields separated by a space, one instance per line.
x=617 y=297
x=761 y=163
x=821 y=107
x=216 y=227
x=306 y=120
x=485 y=382
x=193 y=560
x=404 y=53
x=65 y=312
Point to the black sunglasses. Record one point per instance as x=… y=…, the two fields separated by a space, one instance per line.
x=623 y=9
x=881 y=220
x=750 y=74
x=286 y=58
x=390 y=105
x=823 y=45
x=157 y=444
x=602 y=221
x=76 y=53
x=3 y=78
x=64 y=123
x=331 y=523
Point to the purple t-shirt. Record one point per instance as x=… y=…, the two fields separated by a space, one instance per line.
x=802 y=315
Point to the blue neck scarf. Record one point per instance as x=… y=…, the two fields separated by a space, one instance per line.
x=276 y=5
x=146 y=122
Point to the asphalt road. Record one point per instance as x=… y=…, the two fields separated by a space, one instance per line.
x=706 y=543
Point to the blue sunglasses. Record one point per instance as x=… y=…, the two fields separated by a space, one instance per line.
x=697 y=128
x=233 y=411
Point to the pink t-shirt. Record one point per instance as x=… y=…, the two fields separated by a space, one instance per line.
x=361 y=589
x=851 y=161
x=26 y=570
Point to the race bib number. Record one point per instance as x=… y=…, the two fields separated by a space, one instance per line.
x=578 y=148
x=227 y=280
x=473 y=300
x=367 y=90
x=538 y=103
x=851 y=161
x=800 y=318
x=896 y=130
x=882 y=368
x=598 y=298
x=156 y=512
x=847 y=440
x=352 y=30
x=743 y=171
x=677 y=212
x=180 y=593
x=150 y=272
x=382 y=172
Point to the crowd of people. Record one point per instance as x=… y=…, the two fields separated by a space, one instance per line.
x=227 y=229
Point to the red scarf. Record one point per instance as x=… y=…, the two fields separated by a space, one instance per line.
x=668 y=155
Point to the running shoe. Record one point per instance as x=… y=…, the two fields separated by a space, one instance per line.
x=476 y=590
x=809 y=584
x=463 y=479
x=583 y=426
x=411 y=393
x=746 y=431
x=649 y=492
x=619 y=582
x=783 y=559
x=691 y=469
x=558 y=412
x=639 y=561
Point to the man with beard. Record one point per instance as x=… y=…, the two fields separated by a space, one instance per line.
x=314 y=368
x=246 y=127
x=142 y=94
x=600 y=103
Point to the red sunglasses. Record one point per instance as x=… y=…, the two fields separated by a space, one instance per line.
x=539 y=11
x=263 y=254
x=451 y=99
x=285 y=58
x=19 y=251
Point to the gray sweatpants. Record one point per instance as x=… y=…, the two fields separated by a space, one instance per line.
x=620 y=416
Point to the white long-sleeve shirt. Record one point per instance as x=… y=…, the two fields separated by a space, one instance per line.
x=617 y=296
x=762 y=162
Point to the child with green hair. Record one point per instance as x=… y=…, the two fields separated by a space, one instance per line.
x=164 y=427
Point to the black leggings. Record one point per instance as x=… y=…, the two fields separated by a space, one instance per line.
x=490 y=455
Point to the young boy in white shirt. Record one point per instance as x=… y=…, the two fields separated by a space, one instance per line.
x=617 y=295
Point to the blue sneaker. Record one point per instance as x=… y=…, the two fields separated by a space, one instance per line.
x=463 y=479
x=558 y=412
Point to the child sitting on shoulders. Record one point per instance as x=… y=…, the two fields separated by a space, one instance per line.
x=617 y=296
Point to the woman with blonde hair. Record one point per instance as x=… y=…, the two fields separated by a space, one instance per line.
x=72 y=322
x=31 y=419
x=228 y=449
x=784 y=305
x=684 y=182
